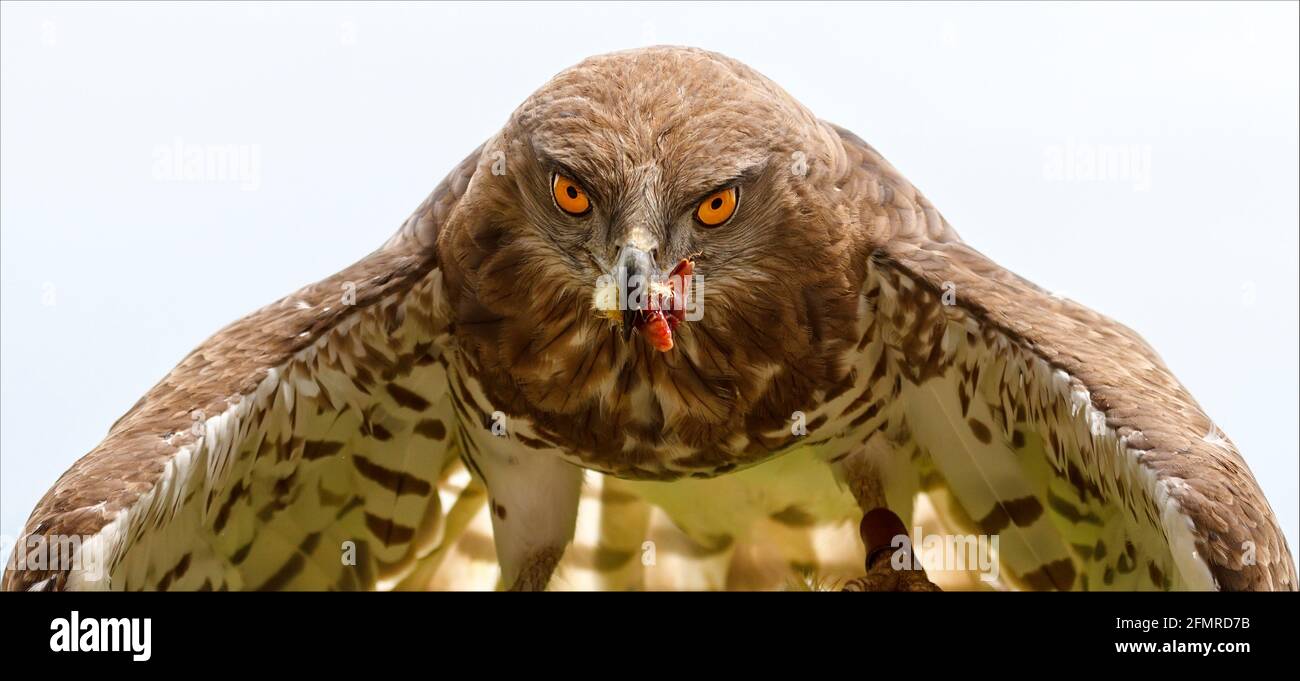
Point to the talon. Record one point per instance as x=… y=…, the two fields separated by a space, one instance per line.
x=878 y=529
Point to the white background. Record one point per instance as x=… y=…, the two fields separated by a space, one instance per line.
x=111 y=272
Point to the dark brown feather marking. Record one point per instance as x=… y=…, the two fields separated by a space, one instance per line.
x=433 y=429
x=406 y=398
x=287 y=572
x=319 y=449
x=1058 y=575
x=223 y=515
x=794 y=517
x=394 y=481
x=387 y=531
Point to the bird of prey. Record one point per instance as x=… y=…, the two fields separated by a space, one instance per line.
x=665 y=278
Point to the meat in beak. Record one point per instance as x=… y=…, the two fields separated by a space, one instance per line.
x=652 y=303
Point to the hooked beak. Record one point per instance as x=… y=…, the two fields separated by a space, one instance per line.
x=634 y=269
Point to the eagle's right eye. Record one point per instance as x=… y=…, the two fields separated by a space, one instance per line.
x=569 y=196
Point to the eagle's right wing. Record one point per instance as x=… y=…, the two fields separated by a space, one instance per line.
x=299 y=448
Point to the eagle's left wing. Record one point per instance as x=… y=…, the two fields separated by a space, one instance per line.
x=1034 y=419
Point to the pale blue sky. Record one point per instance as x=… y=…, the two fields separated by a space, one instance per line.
x=113 y=266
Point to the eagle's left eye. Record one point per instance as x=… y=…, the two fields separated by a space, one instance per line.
x=717 y=207
x=569 y=196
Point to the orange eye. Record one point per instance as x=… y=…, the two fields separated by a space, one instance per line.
x=569 y=196
x=718 y=207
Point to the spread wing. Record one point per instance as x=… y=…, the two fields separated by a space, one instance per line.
x=298 y=448
x=1030 y=417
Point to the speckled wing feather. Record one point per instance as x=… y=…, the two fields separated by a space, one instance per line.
x=1031 y=417
x=298 y=448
